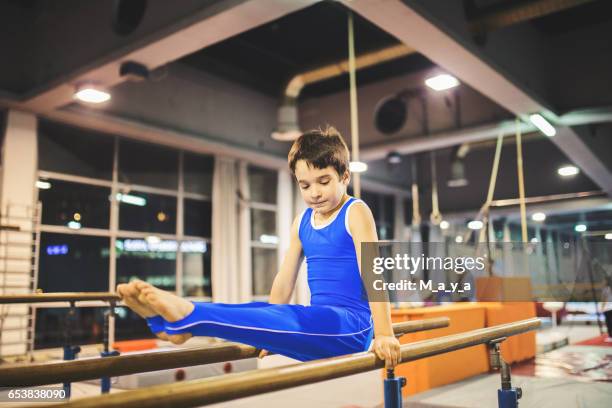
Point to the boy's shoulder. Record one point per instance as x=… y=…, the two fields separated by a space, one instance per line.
x=359 y=212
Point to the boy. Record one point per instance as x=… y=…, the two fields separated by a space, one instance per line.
x=339 y=320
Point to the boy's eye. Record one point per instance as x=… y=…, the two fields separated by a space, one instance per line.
x=325 y=183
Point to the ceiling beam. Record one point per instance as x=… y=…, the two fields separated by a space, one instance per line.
x=410 y=23
x=216 y=23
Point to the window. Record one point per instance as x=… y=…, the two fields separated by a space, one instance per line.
x=198 y=218
x=149 y=182
x=153 y=261
x=198 y=173
x=263 y=263
x=75 y=205
x=148 y=165
x=196 y=269
x=147 y=212
x=51 y=329
x=264 y=235
x=263 y=184
x=73 y=263
x=263 y=226
x=75 y=151
x=130 y=326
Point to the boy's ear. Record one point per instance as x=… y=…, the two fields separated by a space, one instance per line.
x=346 y=177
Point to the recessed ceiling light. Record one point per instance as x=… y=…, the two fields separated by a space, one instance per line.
x=475 y=225
x=444 y=225
x=567 y=171
x=539 y=216
x=580 y=228
x=92 y=94
x=43 y=185
x=357 y=167
x=442 y=82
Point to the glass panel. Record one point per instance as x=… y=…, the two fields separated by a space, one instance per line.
x=130 y=326
x=81 y=152
x=263 y=226
x=198 y=218
x=75 y=205
x=153 y=261
x=86 y=328
x=262 y=185
x=147 y=212
x=196 y=269
x=73 y=263
x=264 y=267
x=198 y=173
x=147 y=164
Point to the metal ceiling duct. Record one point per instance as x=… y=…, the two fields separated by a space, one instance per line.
x=288 y=128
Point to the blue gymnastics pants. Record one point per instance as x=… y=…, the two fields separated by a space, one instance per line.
x=300 y=332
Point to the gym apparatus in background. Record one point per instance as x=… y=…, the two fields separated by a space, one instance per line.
x=238 y=385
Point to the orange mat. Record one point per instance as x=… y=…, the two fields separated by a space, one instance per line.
x=135 y=345
x=451 y=367
x=516 y=348
x=446 y=368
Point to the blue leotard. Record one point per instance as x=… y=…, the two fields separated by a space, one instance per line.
x=337 y=322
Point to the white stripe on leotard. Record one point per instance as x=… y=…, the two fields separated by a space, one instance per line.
x=268 y=330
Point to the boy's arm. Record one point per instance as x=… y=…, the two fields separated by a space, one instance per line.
x=363 y=229
x=284 y=282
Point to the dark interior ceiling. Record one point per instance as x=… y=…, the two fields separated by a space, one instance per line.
x=266 y=57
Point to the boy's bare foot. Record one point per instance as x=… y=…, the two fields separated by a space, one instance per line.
x=168 y=305
x=129 y=295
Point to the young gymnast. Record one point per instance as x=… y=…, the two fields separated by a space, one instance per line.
x=329 y=233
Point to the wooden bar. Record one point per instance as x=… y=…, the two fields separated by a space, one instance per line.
x=58 y=297
x=233 y=386
x=26 y=375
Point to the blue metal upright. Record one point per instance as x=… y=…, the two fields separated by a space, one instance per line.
x=70 y=352
x=507 y=395
x=105 y=382
x=393 y=389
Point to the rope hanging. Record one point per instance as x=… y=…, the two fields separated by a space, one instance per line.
x=436 y=216
x=353 y=99
x=521 y=180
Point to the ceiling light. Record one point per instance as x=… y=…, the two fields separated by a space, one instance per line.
x=567 y=171
x=444 y=225
x=538 y=217
x=458 y=239
x=534 y=240
x=43 y=185
x=357 y=167
x=442 y=82
x=268 y=239
x=394 y=158
x=475 y=225
x=74 y=225
x=91 y=94
x=541 y=123
x=132 y=199
x=608 y=235
x=580 y=228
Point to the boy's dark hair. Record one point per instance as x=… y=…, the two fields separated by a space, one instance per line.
x=320 y=148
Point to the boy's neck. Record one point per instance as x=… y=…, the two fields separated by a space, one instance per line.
x=340 y=204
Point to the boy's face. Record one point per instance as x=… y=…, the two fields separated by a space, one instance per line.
x=322 y=189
